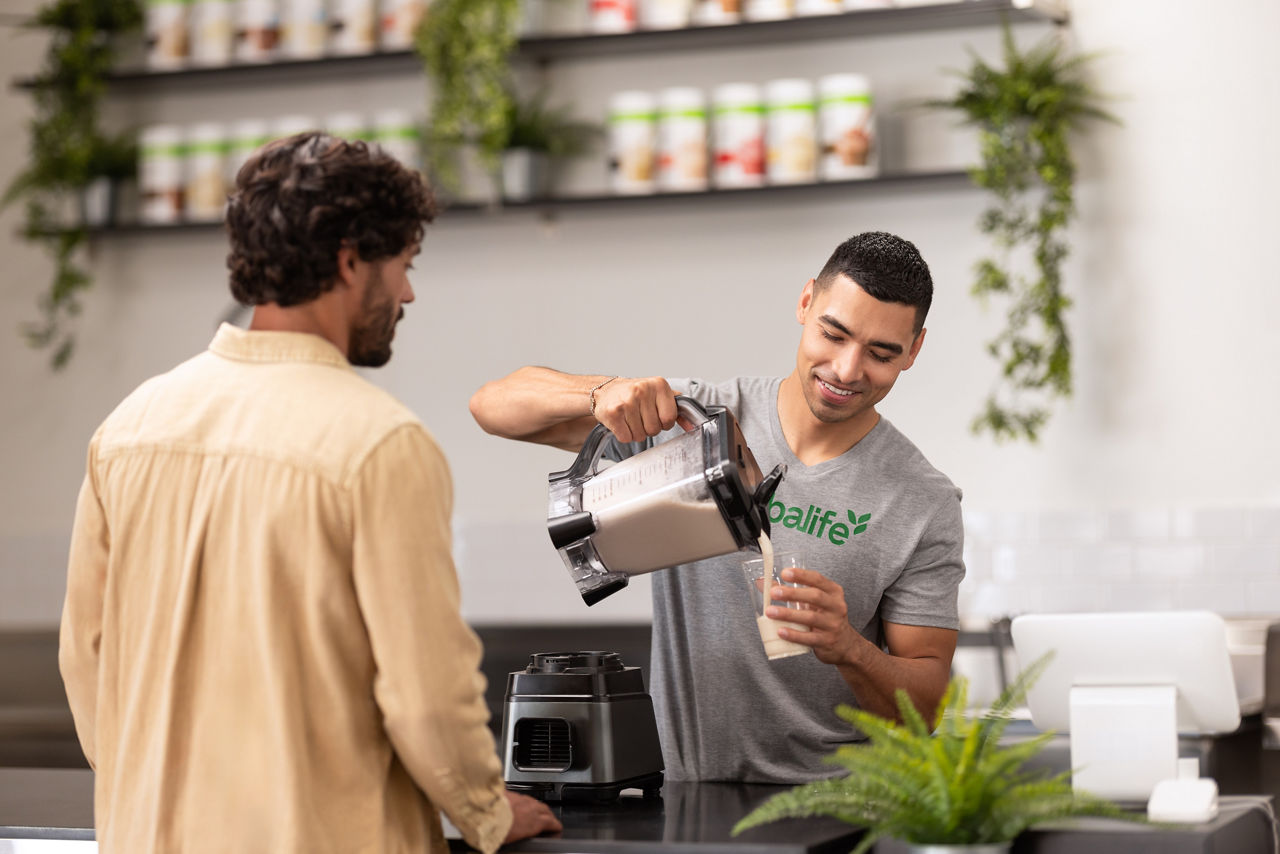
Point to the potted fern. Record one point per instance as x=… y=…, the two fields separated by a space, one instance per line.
x=953 y=791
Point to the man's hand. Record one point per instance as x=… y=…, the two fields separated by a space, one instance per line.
x=825 y=613
x=635 y=409
x=529 y=817
x=918 y=658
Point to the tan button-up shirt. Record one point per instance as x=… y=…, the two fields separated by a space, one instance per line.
x=261 y=640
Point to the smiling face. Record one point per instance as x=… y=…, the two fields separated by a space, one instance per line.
x=851 y=351
x=386 y=289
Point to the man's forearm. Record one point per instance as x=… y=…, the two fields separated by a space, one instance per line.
x=874 y=676
x=537 y=404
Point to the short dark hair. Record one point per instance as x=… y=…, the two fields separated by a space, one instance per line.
x=886 y=267
x=300 y=199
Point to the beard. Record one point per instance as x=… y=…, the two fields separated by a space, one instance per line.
x=370 y=343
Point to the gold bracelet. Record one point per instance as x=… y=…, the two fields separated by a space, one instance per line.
x=592 y=393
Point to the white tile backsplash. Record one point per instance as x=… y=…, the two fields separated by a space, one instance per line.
x=1139 y=525
x=1215 y=524
x=1245 y=560
x=1072 y=526
x=1223 y=559
x=1169 y=562
x=1229 y=600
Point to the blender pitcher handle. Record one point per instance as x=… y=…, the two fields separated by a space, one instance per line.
x=589 y=457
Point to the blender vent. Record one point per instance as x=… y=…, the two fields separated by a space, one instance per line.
x=543 y=744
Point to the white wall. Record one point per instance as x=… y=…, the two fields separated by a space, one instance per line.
x=1173 y=272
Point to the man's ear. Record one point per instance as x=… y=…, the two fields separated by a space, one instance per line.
x=347 y=260
x=915 y=349
x=806 y=299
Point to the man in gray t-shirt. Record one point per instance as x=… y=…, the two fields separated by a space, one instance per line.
x=880 y=529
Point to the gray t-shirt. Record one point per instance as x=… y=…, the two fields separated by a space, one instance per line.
x=878 y=519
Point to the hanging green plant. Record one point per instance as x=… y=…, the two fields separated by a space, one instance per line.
x=1025 y=113
x=466 y=48
x=958 y=786
x=69 y=151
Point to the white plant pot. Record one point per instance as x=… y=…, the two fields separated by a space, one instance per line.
x=524 y=174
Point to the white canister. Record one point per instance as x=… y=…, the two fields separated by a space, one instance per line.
x=348 y=125
x=161 y=153
x=245 y=138
x=857 y=5
x=682 y=139
x=848 y=127
x=792 y=132
x=399 y=133
x=212 y=32
x=206 y=189
x=257 y=30
x=819 y=7
x=612 y=16
x=766 y=10
x=665 y=14
x=168 y=36
x=292 y=124
x=355 y=27
x=632 y=142
x=304 y=28
x=711 y=12
x=739 y=124
x=400 y=20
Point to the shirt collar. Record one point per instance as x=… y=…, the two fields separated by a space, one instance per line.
x=246 y=345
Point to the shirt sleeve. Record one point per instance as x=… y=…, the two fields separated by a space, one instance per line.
x=428 y=684
x=926 y=592
x=81 y=633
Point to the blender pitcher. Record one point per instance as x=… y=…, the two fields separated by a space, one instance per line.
x=691 y=497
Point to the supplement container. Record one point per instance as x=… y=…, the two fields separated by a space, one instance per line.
x=819 y=7
x=665 y=14
x=612 y=16
x=848 y=127
x=739 y=136
x=355 y=27
x=246 y=137
x=212 y=31
x=682 y=140
x=632 y=142
x=792 y=133
x=304 y=28
x=257 y=35
x=766 y=10
x=400 y=19
x=712 y=12
x=206 y=154
x=399 y=134
x=285 y=126
x=168 y=42
x=160 y=180
x=349 y=126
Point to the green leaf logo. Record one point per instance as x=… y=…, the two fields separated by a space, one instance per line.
x=859 y=522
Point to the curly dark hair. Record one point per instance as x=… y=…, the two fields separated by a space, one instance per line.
x=300 y=199
x=886 y=267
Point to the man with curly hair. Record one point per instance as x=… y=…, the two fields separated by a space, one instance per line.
x=261 y=640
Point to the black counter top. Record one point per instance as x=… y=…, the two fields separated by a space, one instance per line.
x=689 y=817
